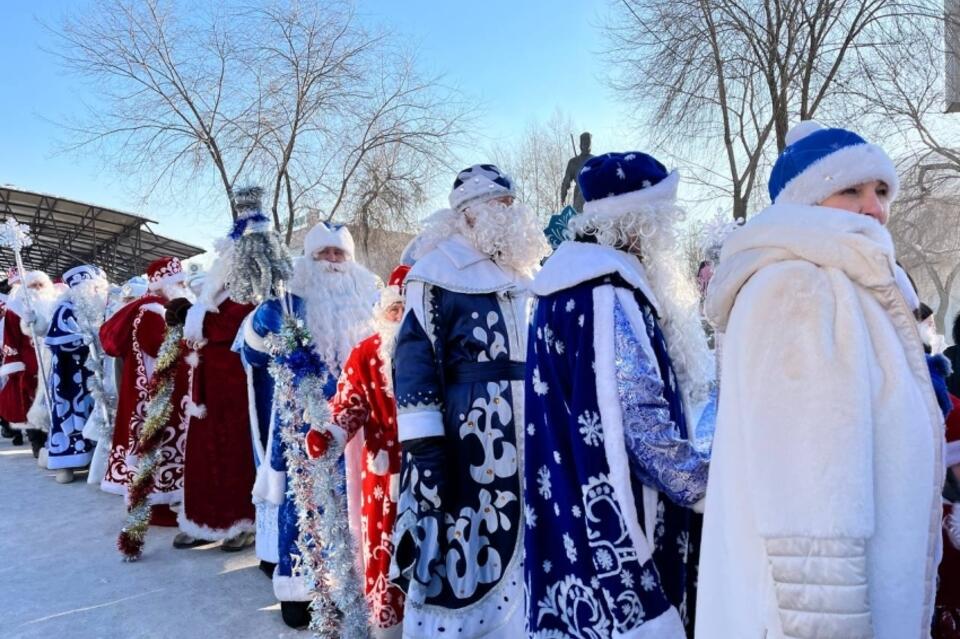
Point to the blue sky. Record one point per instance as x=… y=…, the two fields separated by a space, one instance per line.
x=519 y=60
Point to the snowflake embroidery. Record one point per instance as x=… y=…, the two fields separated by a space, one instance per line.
x=647 y=582
x=531 y=429
x=548 y=336
x=540 y=387
x=603 y=559
x=595 y=582
x=570 y=549
x=590 y=428
x=544 y=487
x=683 y=544
x=556 y=509
x=547 y=566
x=620 y=173
x=580 y=321
x=378 y=493
x=626 y=578
x=556 y=457
x=560 y=348
x=630 y=156
x=570 y=305
x=530 y=515
x=575 y=511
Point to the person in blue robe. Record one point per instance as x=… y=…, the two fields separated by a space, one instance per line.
x=617 y=372
x=70 y=337
x=459 y=368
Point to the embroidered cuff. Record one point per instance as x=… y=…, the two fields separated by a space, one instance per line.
x=821 y=587
x=419 y=424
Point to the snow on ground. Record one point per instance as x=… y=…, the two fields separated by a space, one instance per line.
x=61 y=574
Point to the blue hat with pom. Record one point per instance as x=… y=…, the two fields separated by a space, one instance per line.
x=616 y=184
x=820 y=161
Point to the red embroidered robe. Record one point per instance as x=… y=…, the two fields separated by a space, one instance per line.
x=364 y=407
x=20 y=369
x=218 y=467
x=135 y=333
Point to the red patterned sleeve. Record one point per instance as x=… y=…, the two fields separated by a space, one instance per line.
x=351 y=406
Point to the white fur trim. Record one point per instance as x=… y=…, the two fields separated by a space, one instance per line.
x=320 y=237
x=201 y=531
x=457 y=266
x=290 y=588
x=252 y=338
x=194 y=410
x=13 y=367
x=611 y=418
x=339 y=435
x=155 y=307
x=418 y=424
x=193 y=325
x=841 y=169
x=616 y=206
x=577 y=262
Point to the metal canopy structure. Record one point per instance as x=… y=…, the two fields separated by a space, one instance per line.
x=66 y=233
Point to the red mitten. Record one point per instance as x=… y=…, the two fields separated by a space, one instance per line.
x=317 y=443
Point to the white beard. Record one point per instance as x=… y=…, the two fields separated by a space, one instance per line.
x=651 y=232
x=339 y=301
x=388 y=331
x=509 y=235
x=175 y=291
x=90 y=302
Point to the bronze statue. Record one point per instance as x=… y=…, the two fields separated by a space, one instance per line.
x=573 y=168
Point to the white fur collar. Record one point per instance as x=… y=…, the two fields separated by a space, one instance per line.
x=577 y=262
x=193 y=326
x=855 y=244
x=457 y=266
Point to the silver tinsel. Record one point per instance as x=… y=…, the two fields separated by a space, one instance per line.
x=260 y=263
x=326 y=544
x=90 y=314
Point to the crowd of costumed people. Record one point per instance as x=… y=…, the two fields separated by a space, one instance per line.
x=512 y=437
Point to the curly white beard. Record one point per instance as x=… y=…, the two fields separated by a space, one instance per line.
x=43 y=300
x=510 y=235
x=339 y=299
x=174 y=291
x=651 y=233
x=90 y=302
x=388 y=331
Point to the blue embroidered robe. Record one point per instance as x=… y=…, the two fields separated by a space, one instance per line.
x=610 y=470
x=72 y=402
x=288 y=582
x=459 y=389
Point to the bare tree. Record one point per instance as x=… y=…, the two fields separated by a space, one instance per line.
x=167 y=102
x=538 y=161
x=739 y=71
x=307 y=107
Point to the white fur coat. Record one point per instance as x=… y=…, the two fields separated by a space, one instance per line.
x=823 y=505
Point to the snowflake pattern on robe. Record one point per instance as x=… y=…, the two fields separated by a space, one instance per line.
x=461 y=566
x=586 y=577
x=72 y=402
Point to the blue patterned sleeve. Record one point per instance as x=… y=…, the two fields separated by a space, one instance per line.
x=660 y=457
x=266 y=319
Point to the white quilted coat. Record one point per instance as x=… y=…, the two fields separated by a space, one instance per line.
x=823 y=504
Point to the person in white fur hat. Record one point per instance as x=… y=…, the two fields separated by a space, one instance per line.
x=823 y=502
x=335 y=297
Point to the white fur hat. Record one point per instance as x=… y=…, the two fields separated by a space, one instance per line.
x=323 y=235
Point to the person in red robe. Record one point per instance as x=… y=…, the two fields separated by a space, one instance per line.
x=19 y=404
x=219 y=468
x=366 y=411
x=135 y=334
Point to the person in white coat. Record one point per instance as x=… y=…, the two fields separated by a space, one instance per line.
x=823 y=502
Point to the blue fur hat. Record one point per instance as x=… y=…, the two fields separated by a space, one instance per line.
x=819 y=162
x=616 y=184
x=83 y=273
x=479 y=183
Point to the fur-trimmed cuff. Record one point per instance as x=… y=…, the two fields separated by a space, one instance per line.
x=253 y=339
x=270 y=485
x=339 y=435
x=821 y=587
x=420 y=424
x=290 y=588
